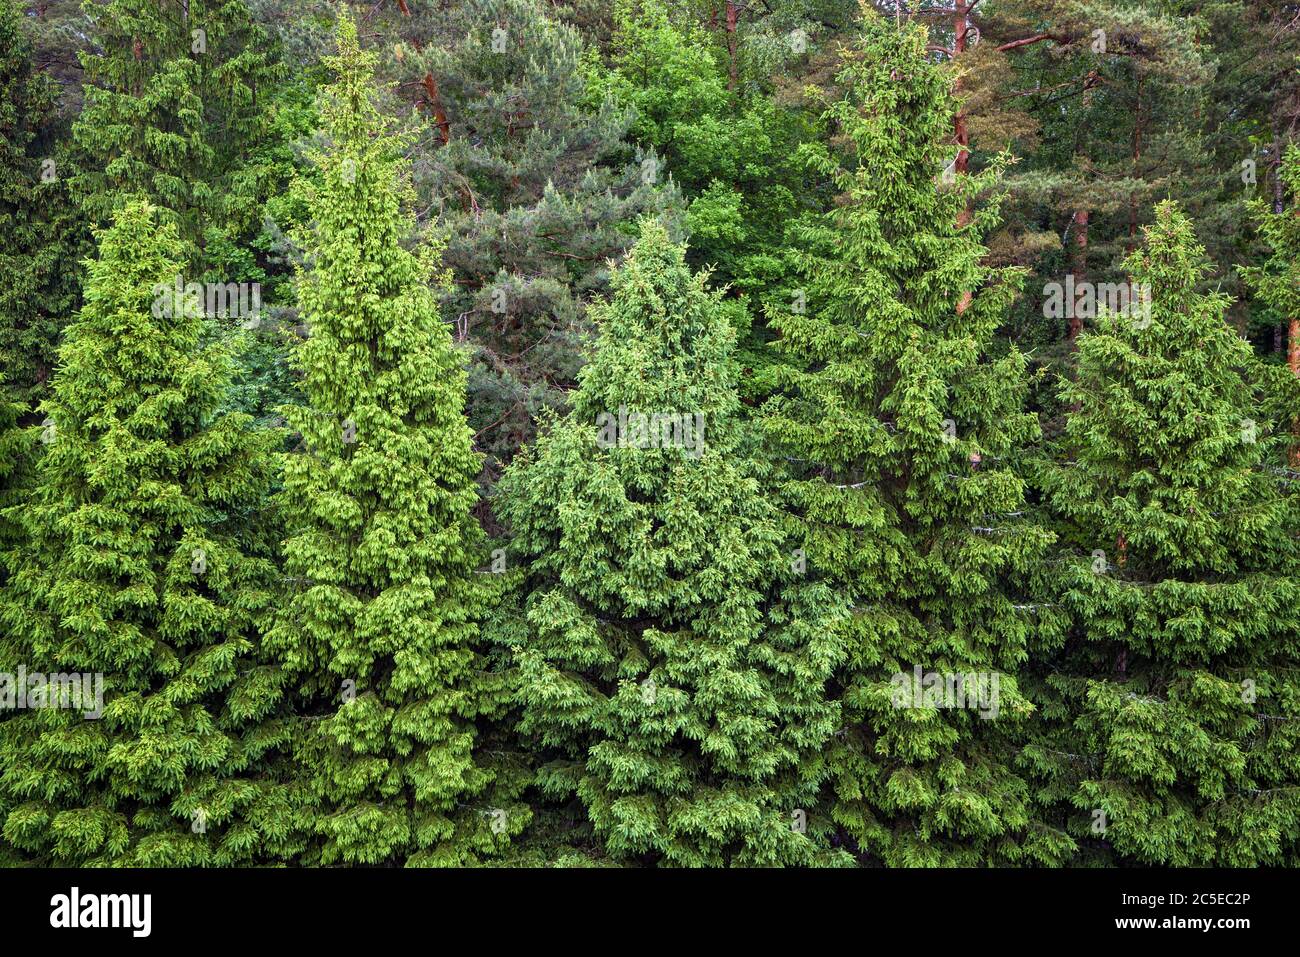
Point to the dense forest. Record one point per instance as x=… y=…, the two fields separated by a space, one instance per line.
x=695 y=433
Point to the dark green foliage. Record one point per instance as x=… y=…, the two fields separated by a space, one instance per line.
x=535 y=188
x=1277 y=279
x=40 y=238
x=176 y=93
x=1176 y=690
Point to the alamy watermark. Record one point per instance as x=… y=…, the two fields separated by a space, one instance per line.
x=79 y=691
x=974 y=690
x=75 y=909
x=193 y=300
x=1084 y=300
x=652 y=430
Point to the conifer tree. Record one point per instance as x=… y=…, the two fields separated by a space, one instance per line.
x=14 y=454
x=1096 y=96
x=901 y=424
x=176 y=94
x=1175 y=696
x=132 y=577
x=537 y=191
x=39 y=236
x=1277 y=280
x=673 y=664
x=381 y=623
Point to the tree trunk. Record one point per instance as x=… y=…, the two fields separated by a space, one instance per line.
x=961 y=129
x=1137 y=156
x=435 y=104
x=431 y=91
x=1293 y=360
x=731 y=44
x=1278 y=202
x=960 y=26
x=1293 y=325
x=1080 y=270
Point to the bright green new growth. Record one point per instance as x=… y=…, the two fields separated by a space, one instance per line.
x=14 y=454
x=673 y=667
x=381 y=619
x=133 y=569
x=1177 y=694
x=899 y=423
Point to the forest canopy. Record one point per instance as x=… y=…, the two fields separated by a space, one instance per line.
x=684 y=433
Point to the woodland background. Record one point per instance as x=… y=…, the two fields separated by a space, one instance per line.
x=365 y=589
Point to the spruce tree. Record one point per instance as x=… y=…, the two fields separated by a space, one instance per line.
x=132 y=574
x=176 y=95
x=1174 y=697
x=673 y=664
x=14 y=454
x=381 y=622
x=901 y=422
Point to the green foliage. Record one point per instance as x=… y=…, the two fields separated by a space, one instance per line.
x=535 y=189
x=134 y=572
x=672 y=673
x=1277 y=279
x=901 y=427
x=380 y=623
x=1176 y=690
x=177 y=94
x=734 y=154
x=736 y=651
x=15 y=459
x=40 y=238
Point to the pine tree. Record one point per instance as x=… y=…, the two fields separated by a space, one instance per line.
x=381 y=624
x=536 y=190
x=133 y=575
x=901 y=424
x=1174 y=696
x=673 y=667
x=1099 y=96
